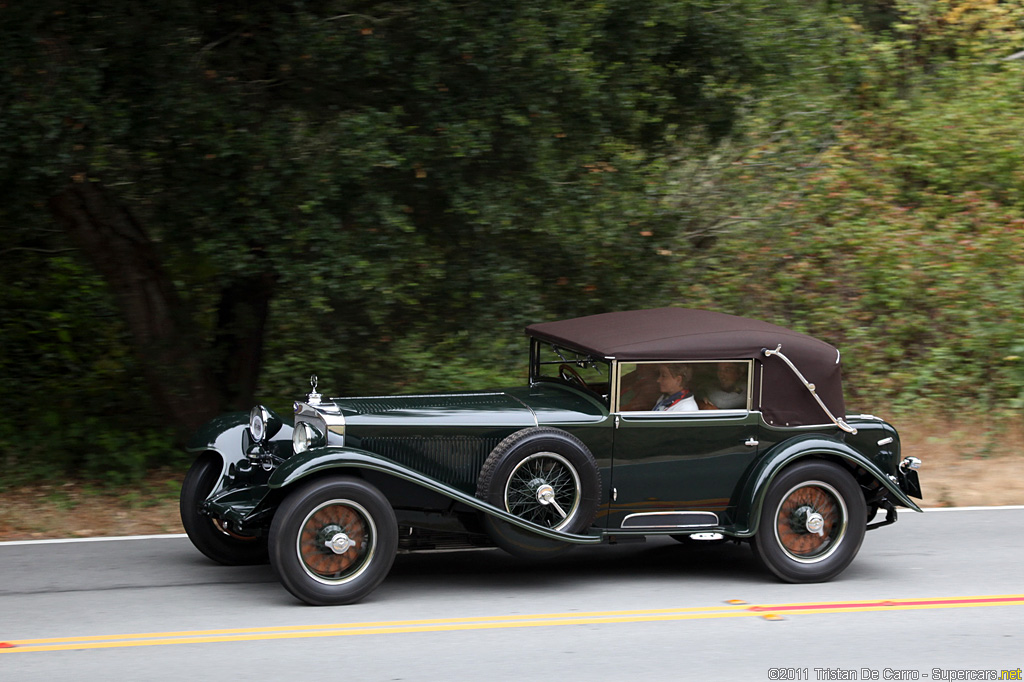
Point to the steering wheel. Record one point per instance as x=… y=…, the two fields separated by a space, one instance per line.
x=569 y=373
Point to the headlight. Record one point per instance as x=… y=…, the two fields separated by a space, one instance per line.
x=304 y=437
x=258 y=419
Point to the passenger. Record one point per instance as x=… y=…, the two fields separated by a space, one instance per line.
x=639 y=389
x=674 y=382
x=731 y=391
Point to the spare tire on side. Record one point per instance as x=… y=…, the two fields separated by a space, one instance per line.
x=545 y=476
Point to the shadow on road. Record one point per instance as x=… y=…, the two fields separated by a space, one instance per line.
x=657 y=559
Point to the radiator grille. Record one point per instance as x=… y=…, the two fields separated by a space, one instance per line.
x=455 y=460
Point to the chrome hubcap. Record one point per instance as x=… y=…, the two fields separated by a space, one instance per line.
x=815 y=523
x=339 y=543
x=546 y=495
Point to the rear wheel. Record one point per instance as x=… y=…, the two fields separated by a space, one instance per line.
x=812 y=523
x=333 y=540
x=211 y=536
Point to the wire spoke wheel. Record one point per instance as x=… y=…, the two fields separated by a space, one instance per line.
x=811 y=521
x=544 y=488
x=544 y=476
x=336 y=541
x=333 y=540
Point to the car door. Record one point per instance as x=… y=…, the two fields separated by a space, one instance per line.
x=678 y=470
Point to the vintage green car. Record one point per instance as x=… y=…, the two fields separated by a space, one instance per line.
x=688 y=423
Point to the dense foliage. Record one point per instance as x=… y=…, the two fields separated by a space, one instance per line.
x=903 y=239
x=208 y=201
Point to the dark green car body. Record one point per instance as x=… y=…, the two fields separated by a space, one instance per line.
x=441 y=460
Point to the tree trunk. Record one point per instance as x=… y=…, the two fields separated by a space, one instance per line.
x=241 y=319
x=172 y=359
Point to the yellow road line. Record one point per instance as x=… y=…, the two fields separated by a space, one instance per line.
x=771 y=611
x=398 y=623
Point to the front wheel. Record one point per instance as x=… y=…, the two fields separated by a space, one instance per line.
x=333 y=540
x=812 y=523
x=211 y=536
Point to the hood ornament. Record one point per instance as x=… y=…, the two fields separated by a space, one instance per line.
x=313 y=398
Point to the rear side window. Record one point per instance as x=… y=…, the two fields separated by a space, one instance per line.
x=684 y=386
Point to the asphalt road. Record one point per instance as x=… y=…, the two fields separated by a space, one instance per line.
x=931 y=597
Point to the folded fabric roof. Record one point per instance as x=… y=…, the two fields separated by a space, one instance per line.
x=686 y=334
x=677 y=333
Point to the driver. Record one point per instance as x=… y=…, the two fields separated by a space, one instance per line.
x=674 y=383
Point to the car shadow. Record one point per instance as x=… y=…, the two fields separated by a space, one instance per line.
x=660 y=558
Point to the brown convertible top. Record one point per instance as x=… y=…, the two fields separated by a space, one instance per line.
x=683 y=334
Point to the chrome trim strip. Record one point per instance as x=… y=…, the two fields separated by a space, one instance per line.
x=616 y=381
x=760 y=387
x=706 y=414
x=838 y=421
x=419 y=395
x=712 y=519
x=628 y=417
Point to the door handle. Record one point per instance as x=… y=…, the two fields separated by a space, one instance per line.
x=751 y=442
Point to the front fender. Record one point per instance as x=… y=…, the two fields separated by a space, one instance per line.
x=227 y=437
x=221 y=434
x=755 y=487
x=338 y=457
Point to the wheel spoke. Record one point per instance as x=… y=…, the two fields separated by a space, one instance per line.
x=558 y=509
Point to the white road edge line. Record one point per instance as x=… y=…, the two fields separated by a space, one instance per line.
x=9 y=543
x=949 y=509
x=102 y=539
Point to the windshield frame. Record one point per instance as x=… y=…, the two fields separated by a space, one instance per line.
x=579 y=360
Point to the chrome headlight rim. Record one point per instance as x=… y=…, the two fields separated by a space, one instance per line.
x=259 y=420
x=304 y=437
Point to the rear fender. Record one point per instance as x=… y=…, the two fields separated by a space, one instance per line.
x=755 y=487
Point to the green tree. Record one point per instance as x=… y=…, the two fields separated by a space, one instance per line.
x=376 y=178
x=888 y=210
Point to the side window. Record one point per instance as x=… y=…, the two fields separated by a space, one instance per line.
x=684 y=386
x=723 y=386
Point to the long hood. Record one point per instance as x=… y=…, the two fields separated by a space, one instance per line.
x=449 y=436
x=496 y=409
x=517 y=408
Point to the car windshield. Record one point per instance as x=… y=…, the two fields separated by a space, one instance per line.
x=564 y=365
